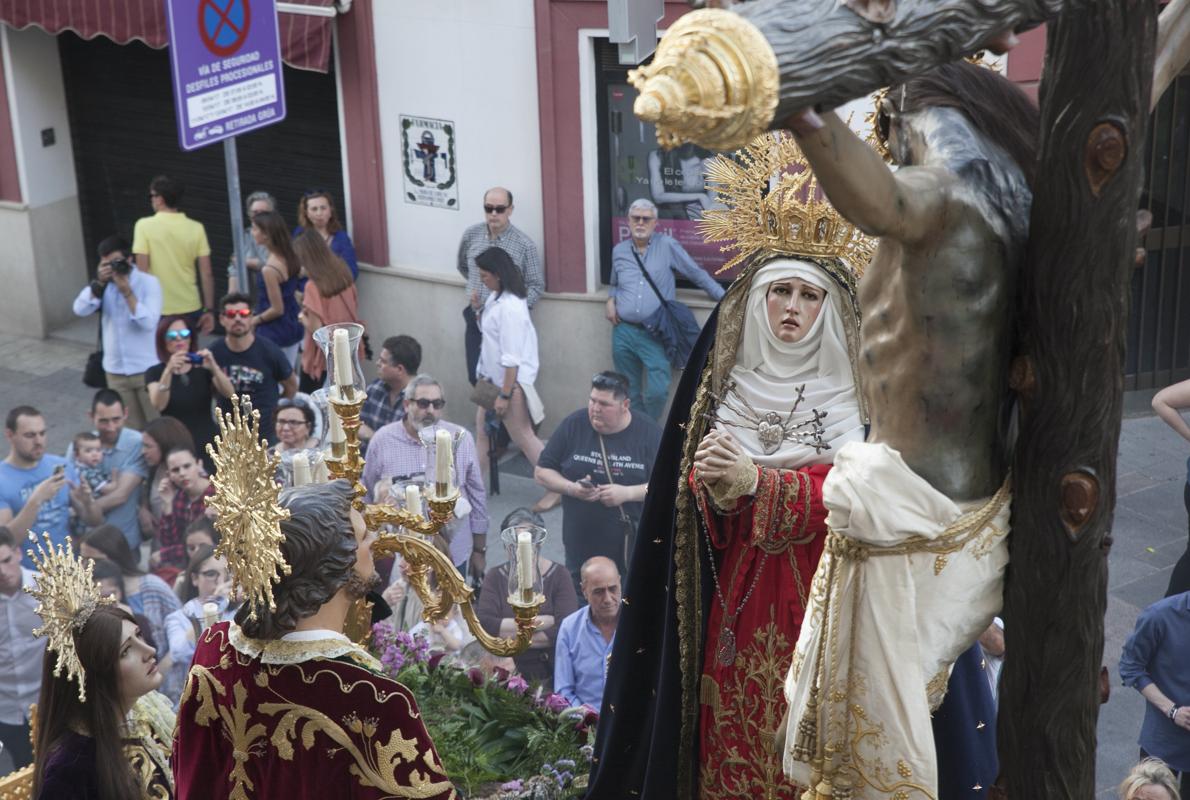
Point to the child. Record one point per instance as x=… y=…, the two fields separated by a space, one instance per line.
x=88 y=459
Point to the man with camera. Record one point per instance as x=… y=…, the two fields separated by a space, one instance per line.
x=129 y=301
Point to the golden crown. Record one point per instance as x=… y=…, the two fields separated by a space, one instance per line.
x=67 y=596
x=774 y=205
x=246 y=500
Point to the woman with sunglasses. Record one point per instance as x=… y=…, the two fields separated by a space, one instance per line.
x=186 y=382
x=277 y=285
x=206 y=580
x=329 y=297
x=316 y=212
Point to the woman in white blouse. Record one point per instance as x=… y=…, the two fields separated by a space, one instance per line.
x=508 y=357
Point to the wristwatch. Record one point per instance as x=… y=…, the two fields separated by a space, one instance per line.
x=481 y=550
x=504 y=396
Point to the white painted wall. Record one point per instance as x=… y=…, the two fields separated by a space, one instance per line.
x=37 y=99
x=472 y=62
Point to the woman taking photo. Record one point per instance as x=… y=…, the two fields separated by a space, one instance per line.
x=277 y=307
x=103 y=732
x=329 y=297
x=144 y=594
x=507 y=358
x=187 y=382
x=159 y=437
x=316 y=212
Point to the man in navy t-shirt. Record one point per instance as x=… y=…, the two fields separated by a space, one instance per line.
x=34 y=487
x=256 y=367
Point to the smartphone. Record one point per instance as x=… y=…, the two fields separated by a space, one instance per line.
x=586 y=483
x=194 y=358
x=59 y=470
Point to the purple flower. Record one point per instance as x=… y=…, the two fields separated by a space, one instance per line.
x=512 y=786
x=476 y=676
x=435 y=660
x=516 y=684
x=556 y=702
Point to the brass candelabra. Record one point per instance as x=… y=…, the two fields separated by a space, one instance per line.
x=413 y=541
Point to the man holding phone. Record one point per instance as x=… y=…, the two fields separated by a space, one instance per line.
x=130 y=303
x=36 y=489
x=599 y=459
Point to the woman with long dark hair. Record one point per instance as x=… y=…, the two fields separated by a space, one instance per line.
x=316 y=212
x=277 y=284
x=103 y=733
x=159 y=437
x=144 y=594
x=329 y=297
x=508 y=358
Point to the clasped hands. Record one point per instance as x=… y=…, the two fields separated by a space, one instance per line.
x=721 y=462
x=610 y=494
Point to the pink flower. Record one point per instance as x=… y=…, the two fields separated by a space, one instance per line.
x=516 y=684
x=589 y=719
x=556 y=702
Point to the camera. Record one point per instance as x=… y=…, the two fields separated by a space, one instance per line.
x=121 y=266
x=194 y=358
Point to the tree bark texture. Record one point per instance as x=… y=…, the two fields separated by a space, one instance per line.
x=1074 y=308
x=830 y=52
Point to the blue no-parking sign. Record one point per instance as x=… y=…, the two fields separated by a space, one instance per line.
x=225 y=56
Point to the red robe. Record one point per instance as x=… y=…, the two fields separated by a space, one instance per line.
x=769 y=545
x=327 y=725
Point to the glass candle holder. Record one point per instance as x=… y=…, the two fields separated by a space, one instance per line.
x=324 y=337
x=523 y=543
x=429 y=439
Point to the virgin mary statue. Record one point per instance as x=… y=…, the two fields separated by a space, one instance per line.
x=734 y=525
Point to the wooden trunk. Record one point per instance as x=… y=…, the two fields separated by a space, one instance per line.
x=1074 y=308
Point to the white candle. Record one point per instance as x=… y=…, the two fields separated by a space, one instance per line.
x=343 y=376
x=413 y=499
x=337 y=434
x=524 y=561
x=210 y=614
x=443 y=456
x=301 y=469
x=321 y=473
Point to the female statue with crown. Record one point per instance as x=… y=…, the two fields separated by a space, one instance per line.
x=103 y=732
x=768 y=397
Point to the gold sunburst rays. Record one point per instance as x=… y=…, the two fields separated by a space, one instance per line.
x=246 y=500
x=67 y=596
x=774 y=205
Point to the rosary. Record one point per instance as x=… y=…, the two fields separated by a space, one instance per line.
x=771 y=429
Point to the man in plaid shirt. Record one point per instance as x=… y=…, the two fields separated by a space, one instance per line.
x=495 y=231
x=398 y=362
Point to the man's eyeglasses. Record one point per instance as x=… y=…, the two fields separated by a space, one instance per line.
x=637 y=218
x=290 y=423
x=601 y=380
x=211 y=574
x=423 y=403
x=232 y=313
x=494 y=209
x=173 y=336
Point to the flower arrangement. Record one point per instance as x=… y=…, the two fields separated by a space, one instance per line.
x=497 y=739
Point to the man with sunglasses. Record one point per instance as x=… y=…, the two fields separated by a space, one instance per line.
x=495 y=230
x=398 y=454
x=129 y=302
x=256 y=366
x=631 y=300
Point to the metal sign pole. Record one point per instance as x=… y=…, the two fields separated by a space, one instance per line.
x=234 y=200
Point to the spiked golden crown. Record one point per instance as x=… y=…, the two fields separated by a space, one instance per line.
x=67 y=596
x=246 y=500
x=774 y=205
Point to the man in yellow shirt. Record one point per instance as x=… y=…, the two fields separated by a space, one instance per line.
x=169 y=244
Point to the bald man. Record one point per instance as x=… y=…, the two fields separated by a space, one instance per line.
x=585 y=637
x=496 y=230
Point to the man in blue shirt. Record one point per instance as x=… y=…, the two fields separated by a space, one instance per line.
x=585 y=637
x=631 y=301
x=122 y=456
x=130 y=302
x=35 y=490
x=1154 y=663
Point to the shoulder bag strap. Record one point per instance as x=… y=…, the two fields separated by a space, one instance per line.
x=652 y=285
x=608 y=467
